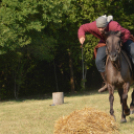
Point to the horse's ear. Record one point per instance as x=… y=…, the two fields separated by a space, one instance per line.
x=119 y=34
x=106 y=34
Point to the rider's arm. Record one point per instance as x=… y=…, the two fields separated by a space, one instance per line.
x=115 y=26
x=86 y=28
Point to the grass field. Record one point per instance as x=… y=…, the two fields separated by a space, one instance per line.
x=33 y=116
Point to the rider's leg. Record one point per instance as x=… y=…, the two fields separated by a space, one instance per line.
x=100 y=64
x=128 y=47
x=132 y=51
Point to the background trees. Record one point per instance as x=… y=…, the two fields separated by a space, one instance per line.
x=39 y=48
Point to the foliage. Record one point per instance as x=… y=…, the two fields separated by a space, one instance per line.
x=125 y=14
x=36 y=32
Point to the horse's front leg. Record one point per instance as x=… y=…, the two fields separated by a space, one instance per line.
x=126 y=87
x=123 y=116
x=132 y=103
x=111 y=98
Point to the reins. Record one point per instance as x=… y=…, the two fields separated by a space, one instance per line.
x=115 y=65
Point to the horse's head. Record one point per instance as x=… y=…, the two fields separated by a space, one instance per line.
x=114 y=43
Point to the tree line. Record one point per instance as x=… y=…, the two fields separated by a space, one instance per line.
x=39 y=48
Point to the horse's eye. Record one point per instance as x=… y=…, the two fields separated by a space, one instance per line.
x=106 y=42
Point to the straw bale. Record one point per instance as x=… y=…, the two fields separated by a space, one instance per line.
x=86 y=121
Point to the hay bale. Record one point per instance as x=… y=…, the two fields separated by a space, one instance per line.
x=86 y=121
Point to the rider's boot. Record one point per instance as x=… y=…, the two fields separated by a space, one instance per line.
x=104 y=88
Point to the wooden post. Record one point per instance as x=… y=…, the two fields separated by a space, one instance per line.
x=58 y=98
x=83 y=71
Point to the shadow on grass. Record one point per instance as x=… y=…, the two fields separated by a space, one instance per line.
x=92 y=91
x=84 y=93
x=31 y=97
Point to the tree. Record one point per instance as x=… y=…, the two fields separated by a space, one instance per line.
x=44 y=33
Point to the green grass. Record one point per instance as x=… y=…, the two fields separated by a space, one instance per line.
x=37 y=117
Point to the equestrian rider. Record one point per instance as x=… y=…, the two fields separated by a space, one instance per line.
x=97 y=28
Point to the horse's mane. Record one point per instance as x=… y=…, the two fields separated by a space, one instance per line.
x=116 y=33
x=112 y=33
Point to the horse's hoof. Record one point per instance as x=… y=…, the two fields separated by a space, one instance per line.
x=123 y=120
x=127 y=112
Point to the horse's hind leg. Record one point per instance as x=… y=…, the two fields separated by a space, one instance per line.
x=132 y=103
x=111 y=99
x=123 y=116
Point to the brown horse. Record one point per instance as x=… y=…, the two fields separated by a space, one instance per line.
x=118 y=73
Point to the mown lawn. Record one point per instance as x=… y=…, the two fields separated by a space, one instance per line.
x=38 y=117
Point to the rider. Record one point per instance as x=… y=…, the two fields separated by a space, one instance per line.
x=97 y=28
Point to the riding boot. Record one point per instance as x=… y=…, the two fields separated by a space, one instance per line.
x=104 y=88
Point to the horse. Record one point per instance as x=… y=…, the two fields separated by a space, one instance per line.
x=118 y=73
